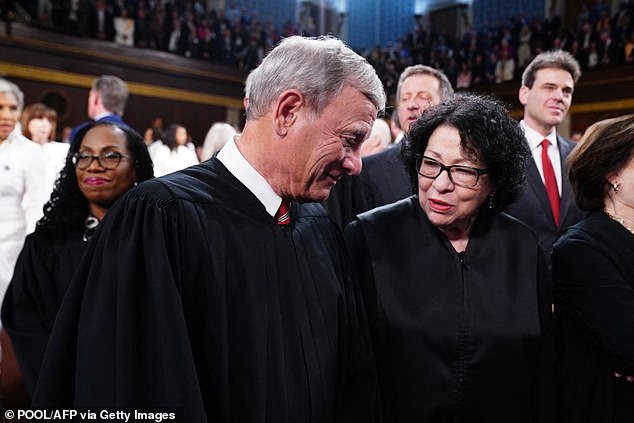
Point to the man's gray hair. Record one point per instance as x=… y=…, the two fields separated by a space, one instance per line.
x=558 y=59
x=9 y=87
x=445 y=90
x=318 y=67
x=113 y=92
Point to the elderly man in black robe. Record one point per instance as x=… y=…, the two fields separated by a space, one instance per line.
x=220 y=290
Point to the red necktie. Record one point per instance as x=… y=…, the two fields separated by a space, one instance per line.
x=550 y=181
x=283 y=215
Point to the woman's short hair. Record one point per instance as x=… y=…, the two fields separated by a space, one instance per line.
x=487 y=133
x=67 y=207
x=7 y=86
x=606 y=147
x=216 y=137
x=318 y=67
x=38 y=111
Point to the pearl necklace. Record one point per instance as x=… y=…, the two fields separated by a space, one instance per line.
x=620 y=220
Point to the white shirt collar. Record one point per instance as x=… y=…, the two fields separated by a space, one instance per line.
x=103 y=115
x=239 y=167
x=535 y=139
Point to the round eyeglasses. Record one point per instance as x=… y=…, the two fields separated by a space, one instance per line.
x=108 y=161
x=462 y=176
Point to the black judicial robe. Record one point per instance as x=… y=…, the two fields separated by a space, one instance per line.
x=457 y=337
x=193 y=297
x=593 y=277
x=42 y=274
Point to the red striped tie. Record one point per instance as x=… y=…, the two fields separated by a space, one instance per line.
x=550 y=181
x=283 y=215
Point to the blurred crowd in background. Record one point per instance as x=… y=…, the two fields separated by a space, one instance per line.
x=238 y=37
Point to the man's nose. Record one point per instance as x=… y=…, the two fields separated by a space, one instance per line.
x=352 y=162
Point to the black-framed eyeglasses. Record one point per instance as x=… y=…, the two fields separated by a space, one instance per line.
x=108 y=161
x=463 y=176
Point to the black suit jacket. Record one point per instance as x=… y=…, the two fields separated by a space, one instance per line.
x=384 y=178
x=533 y=208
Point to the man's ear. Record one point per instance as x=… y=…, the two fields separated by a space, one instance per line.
x=287 y=109
x=523 y=95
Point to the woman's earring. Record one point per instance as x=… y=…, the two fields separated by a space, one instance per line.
x=491 y=202
x=616 y=186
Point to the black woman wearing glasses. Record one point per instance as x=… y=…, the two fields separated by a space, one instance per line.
x=104 y=161
x=457 y=293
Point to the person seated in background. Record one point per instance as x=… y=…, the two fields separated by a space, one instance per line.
x=23 y=184
x=458 y=293
x=39 y=123
x=593 y=279
x=380 y=138
x=216 y=138
x=173 y=152
x=105 y=160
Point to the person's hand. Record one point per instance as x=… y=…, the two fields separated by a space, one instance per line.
x=628 y=378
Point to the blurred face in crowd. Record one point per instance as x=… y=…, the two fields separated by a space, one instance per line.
x=418 y=92
x=328 y=146
x=9 y=114
x=40 y=129
x=448 y=205
x=103 y=181
x=547 y=102
x=181 y=136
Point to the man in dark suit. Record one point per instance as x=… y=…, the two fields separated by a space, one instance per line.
x=546 y=203
x=383 y=175
x=106 y=101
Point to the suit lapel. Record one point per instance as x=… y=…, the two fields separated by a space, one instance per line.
x=567 y=200
x=536 y=185
x=388 y=173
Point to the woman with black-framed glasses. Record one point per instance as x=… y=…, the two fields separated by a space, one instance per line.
x=104 y=161
x=457 y=293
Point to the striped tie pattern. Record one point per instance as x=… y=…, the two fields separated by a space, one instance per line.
x=283 y=215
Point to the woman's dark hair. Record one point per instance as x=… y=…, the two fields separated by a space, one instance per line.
x=67 y=208
x=487 y=133
x=606 y=147
x=169 y=136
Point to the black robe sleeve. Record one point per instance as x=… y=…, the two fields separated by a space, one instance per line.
x=120 y=339
x=42 y=273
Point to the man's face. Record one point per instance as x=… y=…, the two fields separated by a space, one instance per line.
x=547 y=102
x=326 y=147
x=418 y=92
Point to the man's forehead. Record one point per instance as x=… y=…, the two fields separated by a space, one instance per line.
x=552 y=73
x=421 y=82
